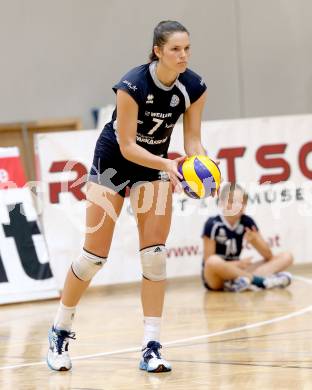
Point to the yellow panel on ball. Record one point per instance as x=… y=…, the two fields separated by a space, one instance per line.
x=201 y=176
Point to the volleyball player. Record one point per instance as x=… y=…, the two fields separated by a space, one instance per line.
x=223 y=267
x=132 y=151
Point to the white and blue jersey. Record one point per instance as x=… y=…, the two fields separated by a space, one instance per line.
x=229 y=239
x=159 y=108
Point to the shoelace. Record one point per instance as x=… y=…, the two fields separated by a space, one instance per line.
x=152 y=347
x=62 y=335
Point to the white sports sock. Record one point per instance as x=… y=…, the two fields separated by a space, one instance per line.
x=151 y=329
x=64 y=317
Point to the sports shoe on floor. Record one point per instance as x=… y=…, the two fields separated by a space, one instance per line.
x=239 y=284
x=280 y=279
x=152 y=360
x=58 y=358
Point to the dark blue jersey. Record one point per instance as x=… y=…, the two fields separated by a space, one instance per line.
x=159 y=106
x=229 y=239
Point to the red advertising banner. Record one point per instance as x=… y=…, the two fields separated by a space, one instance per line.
x=11 y=168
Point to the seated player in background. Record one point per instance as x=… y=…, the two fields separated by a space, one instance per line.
x=223 y=235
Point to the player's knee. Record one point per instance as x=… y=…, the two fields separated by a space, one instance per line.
x=153 y=260
x=288 y=258
x=87 y=265
x=214 y=261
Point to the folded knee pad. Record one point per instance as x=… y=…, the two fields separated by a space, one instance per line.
x=153 y=261
x=87 y=265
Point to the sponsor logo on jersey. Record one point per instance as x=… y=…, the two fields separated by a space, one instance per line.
x=169 y=126
x=222 y=232
x=161 y=115
x=150 y=99
x=175 y=100
x=130 y=85
x=149 y=140
x=221 y=237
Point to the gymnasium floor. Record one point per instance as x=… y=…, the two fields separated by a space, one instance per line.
x=213 y=340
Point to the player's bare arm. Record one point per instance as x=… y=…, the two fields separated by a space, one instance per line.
x=254 y=238
x=209 y=247
x=192 y=127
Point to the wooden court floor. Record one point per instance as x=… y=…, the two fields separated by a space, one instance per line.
x=251 y=340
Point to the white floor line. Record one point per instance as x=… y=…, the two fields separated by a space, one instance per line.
x=188 y=339
x=303 y=279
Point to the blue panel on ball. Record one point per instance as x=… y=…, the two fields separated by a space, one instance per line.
x=188 y=191
x=205 y=176
x=180 y=169
x=201 y=170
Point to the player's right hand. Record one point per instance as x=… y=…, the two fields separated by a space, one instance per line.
x=171 y=167
x=245 y=262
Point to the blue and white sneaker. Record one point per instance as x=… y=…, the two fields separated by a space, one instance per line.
x=58 y=358
x=152 y=360
x=280 y=279
x=242 y=283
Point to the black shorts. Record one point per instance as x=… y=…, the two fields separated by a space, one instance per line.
x=112 y=170
x=203 y=277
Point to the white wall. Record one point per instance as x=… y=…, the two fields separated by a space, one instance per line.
x=59 y=58
x=276 y=53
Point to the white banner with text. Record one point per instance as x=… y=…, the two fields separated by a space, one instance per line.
x=270 y=157
x=25 y=272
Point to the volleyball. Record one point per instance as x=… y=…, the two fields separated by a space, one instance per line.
x=201 y=176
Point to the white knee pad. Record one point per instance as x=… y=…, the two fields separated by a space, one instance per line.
x=153 y=261
x=87 y=265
